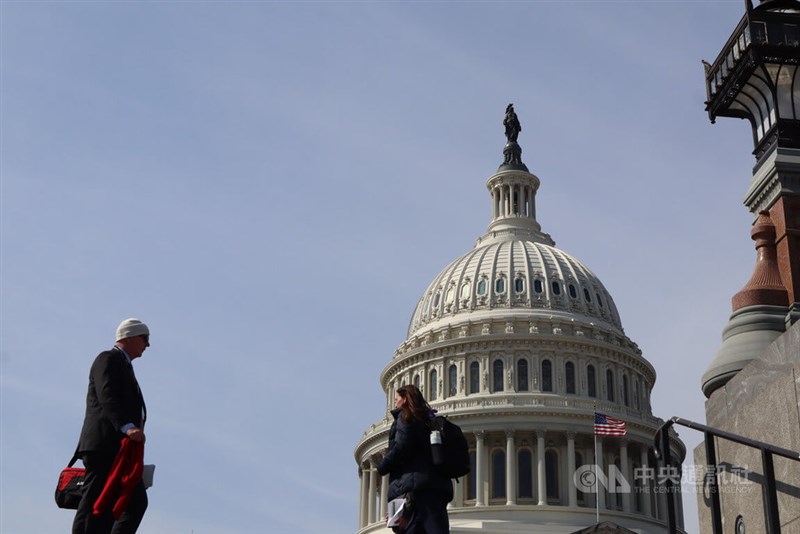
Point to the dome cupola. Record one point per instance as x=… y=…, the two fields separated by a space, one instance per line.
x=514 y=265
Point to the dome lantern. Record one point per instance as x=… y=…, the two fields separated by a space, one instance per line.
x=513 y=192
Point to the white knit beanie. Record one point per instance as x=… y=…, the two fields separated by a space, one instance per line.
x=131 y=328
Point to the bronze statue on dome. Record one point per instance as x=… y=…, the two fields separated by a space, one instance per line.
x=512 y=153
x=511 y=122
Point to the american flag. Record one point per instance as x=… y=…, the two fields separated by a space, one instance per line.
x=605 y=425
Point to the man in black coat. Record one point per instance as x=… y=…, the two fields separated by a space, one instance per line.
x=114 y=409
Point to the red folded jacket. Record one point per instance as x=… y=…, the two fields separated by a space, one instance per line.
x=125 y=475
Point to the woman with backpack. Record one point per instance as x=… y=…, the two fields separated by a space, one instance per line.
x=409 y=464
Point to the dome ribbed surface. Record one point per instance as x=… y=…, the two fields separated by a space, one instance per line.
x=517 y=276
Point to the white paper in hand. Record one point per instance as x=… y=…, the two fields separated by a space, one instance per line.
x=395 y=511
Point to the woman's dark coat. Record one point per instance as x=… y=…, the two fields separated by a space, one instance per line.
x=409 y=462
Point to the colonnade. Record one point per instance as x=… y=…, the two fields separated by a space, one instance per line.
x=553 y=454
x=513 y=199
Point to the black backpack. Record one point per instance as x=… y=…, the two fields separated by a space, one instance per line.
x=451 y=458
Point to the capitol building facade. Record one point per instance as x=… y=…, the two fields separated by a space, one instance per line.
x=519 y=343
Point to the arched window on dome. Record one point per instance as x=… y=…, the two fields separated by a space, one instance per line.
x=551 y=474
x=452 y=380
x=436 y=298
x=625 y=397
x=572 y=291
x=522 y=374
x=519 y=284
x=569 y=373
x=416 y=380
x=474 y=377
x=482 y=287
x=556 y=287
x=500 y=285
x=599 y=300
x=537 y=286
x=498 y=475
x=587 y=295
x=610 y=384
x=434 y=380
x=497 y=375
x=525 y=474
x=547 y=375
x=636 y=402
x=451 y=295
x=591 y=381
x=465 y=289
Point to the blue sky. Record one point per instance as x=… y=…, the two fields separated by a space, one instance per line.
x=272 y=185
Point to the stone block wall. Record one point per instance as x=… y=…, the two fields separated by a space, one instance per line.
x=762 y=402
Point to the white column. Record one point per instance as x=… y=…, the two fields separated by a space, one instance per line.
x=601 y=492
x=511 y=469
x=524 y=201
x=529 y=205
x=541 y=473
x=588 y=459
x=384 y=502
x=573 y=490
x=502 y=189
x=373 y=482
x=662 y=505
x=458 y=493
x=363 y=510
x=480 y=466
x=646 y=509
x=626 y=473
x=494 y=203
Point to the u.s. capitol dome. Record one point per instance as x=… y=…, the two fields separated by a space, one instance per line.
x=520 y=343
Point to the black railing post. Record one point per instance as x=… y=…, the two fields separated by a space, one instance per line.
x=712 y=478
x=770 y=494
x=771 y=513
x=664 y=454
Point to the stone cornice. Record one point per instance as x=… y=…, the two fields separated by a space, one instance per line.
x=778 y=174
x=553 y=326
x=523 y=318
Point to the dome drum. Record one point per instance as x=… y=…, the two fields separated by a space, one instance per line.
x=516 y=325
x=548 y=421
x=518 y=374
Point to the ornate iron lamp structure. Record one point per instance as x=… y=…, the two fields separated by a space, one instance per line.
x=756 y=75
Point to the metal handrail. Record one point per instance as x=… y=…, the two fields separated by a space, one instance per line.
x=662 y=451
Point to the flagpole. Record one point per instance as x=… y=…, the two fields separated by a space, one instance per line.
x=596 y=478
